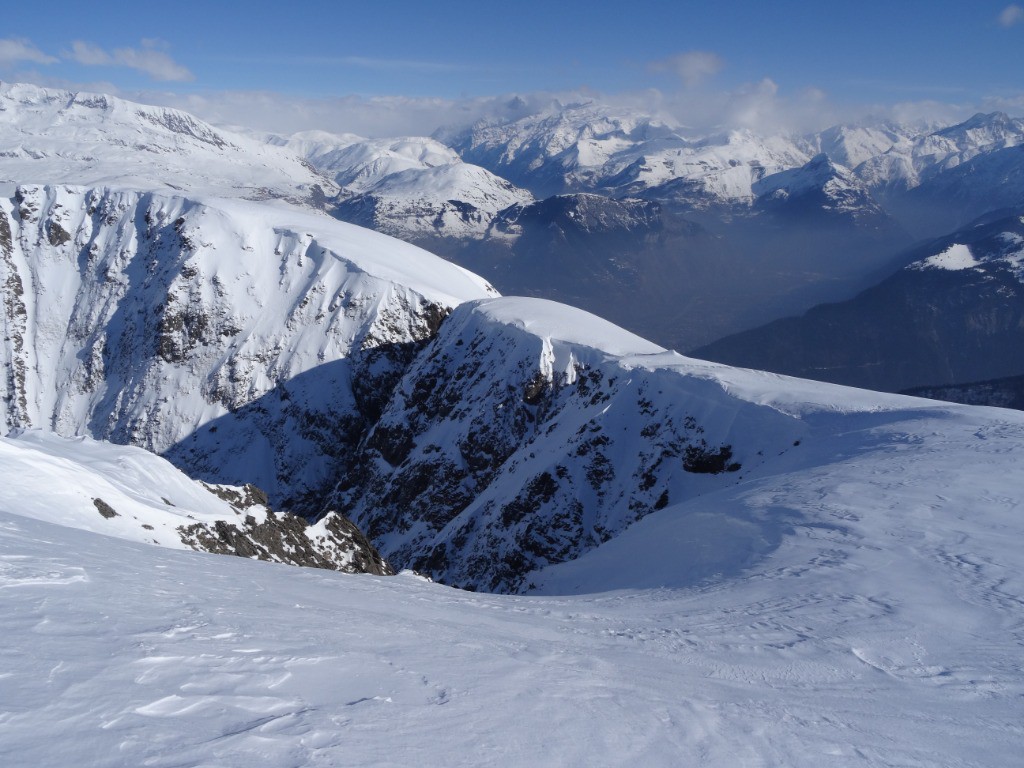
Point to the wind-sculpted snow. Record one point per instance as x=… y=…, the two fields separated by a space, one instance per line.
x=129 y=493
x=862 y=605
x=528 y=433
x=247 y=341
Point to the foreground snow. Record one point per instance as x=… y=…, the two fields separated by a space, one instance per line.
x=862 y=606
x=129 y=493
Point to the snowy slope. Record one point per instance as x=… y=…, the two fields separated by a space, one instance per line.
x=243 y=338
x=880 y=624
x=528 y=434
x=85 y=139
x=130 y=494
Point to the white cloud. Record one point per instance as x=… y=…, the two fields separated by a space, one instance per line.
x=692 y=67
x=89 y=54
x=928 y=112
x=1011 y=15
x=763 y=107
x=16 y=50
x=286 y=114
x=151 y=58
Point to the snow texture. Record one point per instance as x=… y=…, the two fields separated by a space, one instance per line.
x=860 y=605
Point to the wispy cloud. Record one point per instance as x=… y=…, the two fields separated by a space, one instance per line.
x=692 y=67
x=16 y=50
x=151 y=58
x=1011 y=15
x=364 y=62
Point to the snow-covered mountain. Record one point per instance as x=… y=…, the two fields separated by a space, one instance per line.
x=455 y=201
x=255 y=342
x=528 y=435
x=589 y=147
x=853 y=144
x=820 y=192
x=907 y=163
x=858 y=601
x=414 y=188
x=953 y=191
x=131 y=494
x=244 y=340
x=359 y=164
x=828 y=574
x=92 y=140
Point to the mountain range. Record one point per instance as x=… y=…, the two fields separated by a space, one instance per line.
x=792 y=220
x=807 y=562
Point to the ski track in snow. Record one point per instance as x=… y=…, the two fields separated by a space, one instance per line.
x=884 y=630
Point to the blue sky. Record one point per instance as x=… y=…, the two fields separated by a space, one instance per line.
x=698 y=58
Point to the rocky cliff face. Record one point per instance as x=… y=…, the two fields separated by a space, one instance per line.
x=246 y=342
x=528 y=433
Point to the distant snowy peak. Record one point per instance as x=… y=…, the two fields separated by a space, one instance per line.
x=460 y=181
x=851 y=145
x=594 y=148
x=129 y=493
x=560 y=149
x=995 y=130
x=819 y=172
x=822 y=185
x=591 y=148
x=718 y=170
x=417 y=188
x=87 y=139
x=358 y=164
x=909 y=163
